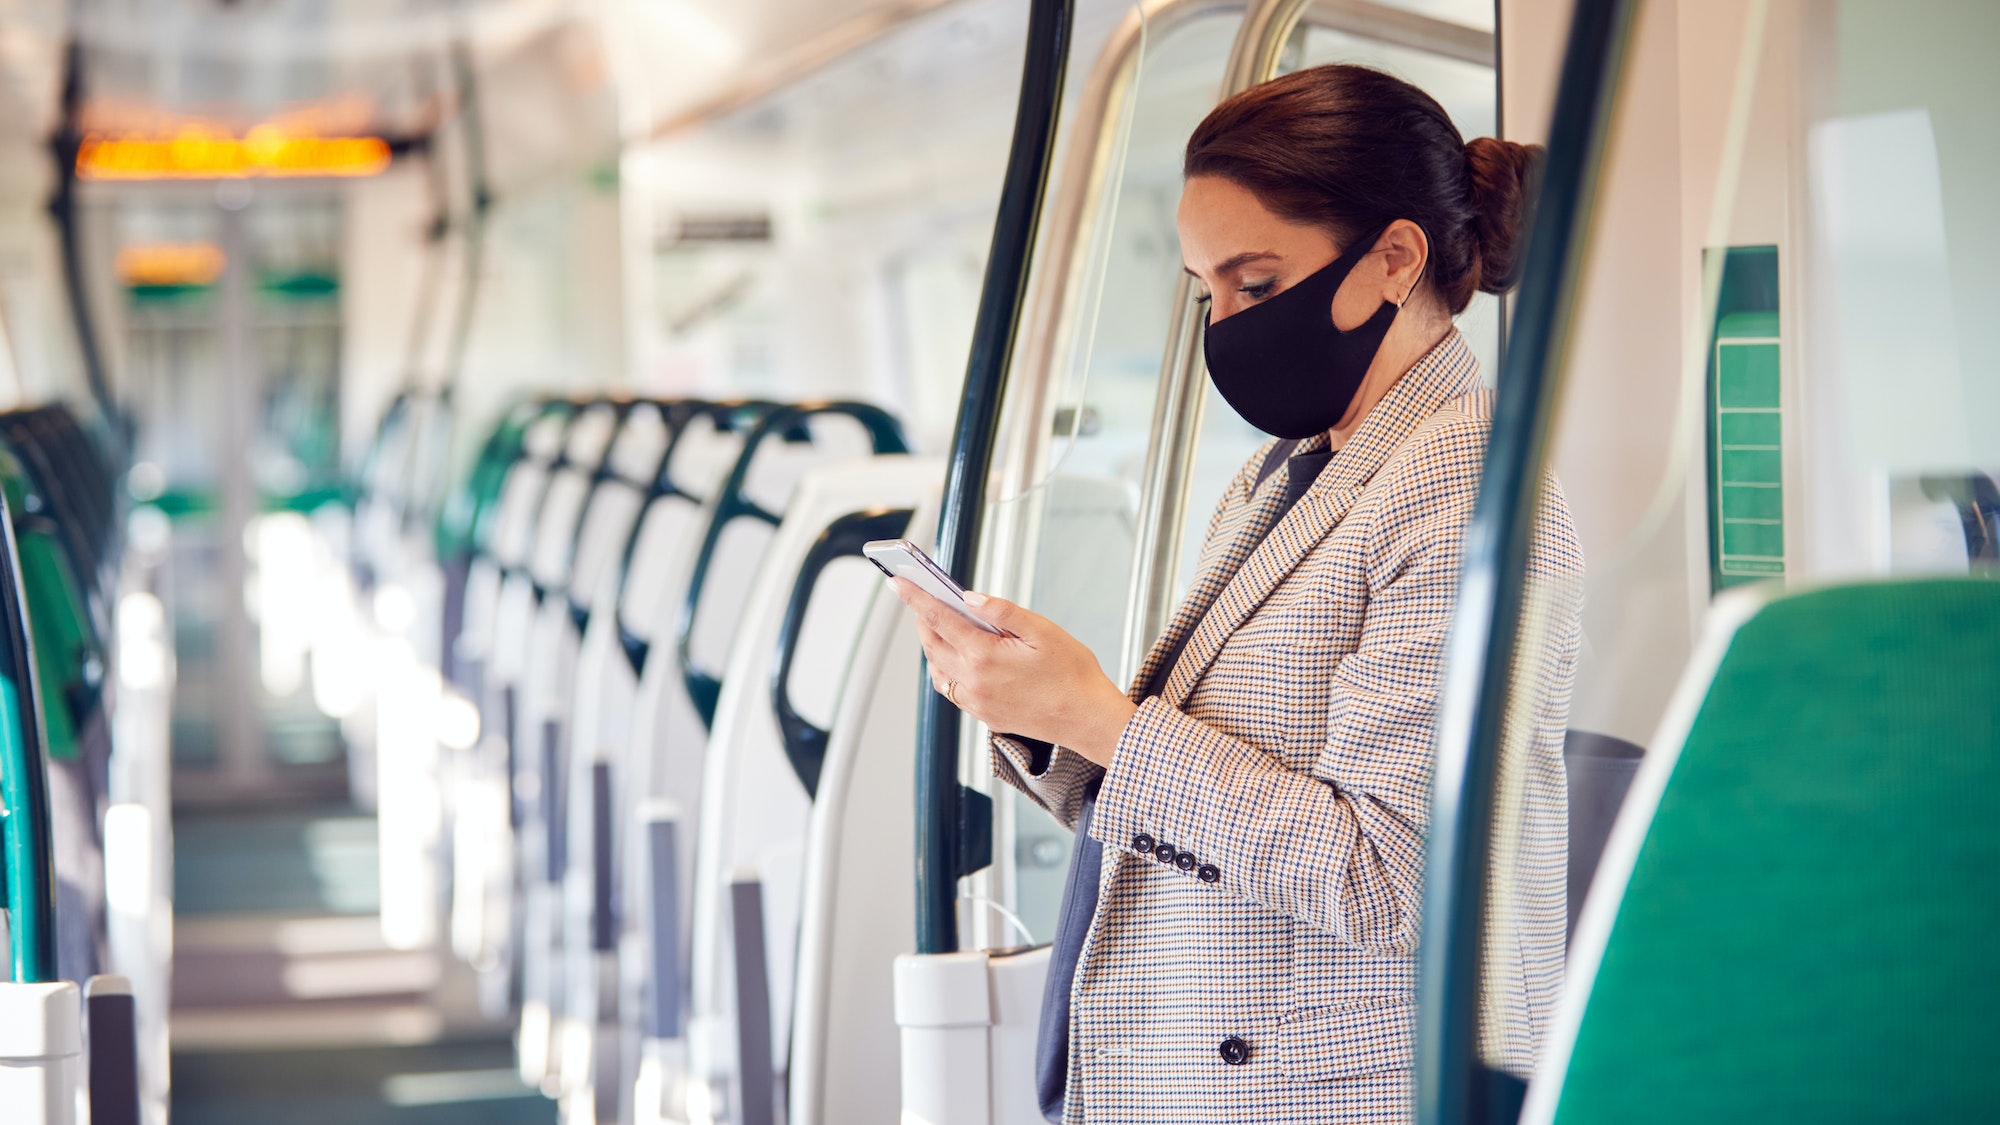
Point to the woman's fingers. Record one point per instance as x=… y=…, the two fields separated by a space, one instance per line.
x=946 y=663
x=1003 y=614
x=947 y=623
x=924 y=607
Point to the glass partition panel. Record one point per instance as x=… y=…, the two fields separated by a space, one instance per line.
x=1064 y=525
x=1470 y=93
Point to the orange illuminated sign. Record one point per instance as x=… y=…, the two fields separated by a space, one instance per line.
x=170 y=263
x=197 y=153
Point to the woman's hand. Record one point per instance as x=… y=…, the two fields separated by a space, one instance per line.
x=1040 y=683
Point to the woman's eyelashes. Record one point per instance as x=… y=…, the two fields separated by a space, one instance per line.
x=1258 y=290
x=1254 y=290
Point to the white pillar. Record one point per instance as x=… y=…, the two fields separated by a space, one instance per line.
x=41 y=1052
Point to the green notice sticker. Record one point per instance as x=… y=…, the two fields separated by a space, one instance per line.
x=1746 y=475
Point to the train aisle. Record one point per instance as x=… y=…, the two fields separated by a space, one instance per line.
x=289 y=1007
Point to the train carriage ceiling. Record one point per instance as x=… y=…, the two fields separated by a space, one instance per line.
x=559 y=76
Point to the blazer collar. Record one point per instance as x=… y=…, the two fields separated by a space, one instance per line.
x=1253 y=561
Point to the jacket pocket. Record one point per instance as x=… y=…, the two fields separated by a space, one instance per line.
x=1323 y=1044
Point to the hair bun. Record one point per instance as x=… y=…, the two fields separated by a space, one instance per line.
x=1502 y=179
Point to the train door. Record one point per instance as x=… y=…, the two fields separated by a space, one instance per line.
x=1114 y=448
x=1086 y=508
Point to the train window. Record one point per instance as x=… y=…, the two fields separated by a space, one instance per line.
x=1452 y=61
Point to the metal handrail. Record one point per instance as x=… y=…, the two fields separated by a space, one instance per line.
x=1453 y=1087
x=64 y=145
x=1177 y=410
x=995 y=329
x=1076 y=206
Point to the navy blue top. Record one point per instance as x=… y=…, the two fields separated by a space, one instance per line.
x=1086 y=857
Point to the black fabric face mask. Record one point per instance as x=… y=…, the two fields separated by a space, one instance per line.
x=1283 y=365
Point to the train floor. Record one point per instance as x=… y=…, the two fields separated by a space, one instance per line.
x=288 y=1006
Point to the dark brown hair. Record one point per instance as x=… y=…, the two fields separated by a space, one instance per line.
x=1350 y=150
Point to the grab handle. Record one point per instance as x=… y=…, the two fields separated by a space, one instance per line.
x=732 y=503
x=680 y=415
x=26 y=831
x=805 y=743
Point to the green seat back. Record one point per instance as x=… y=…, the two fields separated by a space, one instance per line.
x=1811 y=931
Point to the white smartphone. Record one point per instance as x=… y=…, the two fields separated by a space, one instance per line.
x=900 y=558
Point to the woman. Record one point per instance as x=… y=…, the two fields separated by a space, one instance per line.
x=1238 y=937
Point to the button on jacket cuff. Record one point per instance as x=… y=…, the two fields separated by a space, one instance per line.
x=1284 y=839
x=1150 y=793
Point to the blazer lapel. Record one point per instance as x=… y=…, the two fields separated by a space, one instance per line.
x=1446 y=372
x=1239 y=533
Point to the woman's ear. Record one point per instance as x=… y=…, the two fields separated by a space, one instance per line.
x=1405 y=253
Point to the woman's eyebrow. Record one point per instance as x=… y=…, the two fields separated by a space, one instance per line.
x=1237 y=261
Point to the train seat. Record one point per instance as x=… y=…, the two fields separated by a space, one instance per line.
x=699 y=453
x=795 y=646
x=566 y=571
x=544 y=554
x=1794 y=916
x=571 y=578
x=679 y=689
x=69 y=662
x=852 y=922
x=524 y=592
x=52 y=1033
x=505 y=540
x=465 y=525
x=630 y=610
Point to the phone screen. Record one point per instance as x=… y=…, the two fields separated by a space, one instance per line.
x=900 y=558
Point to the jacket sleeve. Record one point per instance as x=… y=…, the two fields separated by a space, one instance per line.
x=1055 y=778
x=1051 y=776
x=1338 y=847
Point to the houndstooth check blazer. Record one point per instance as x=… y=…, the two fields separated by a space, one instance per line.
x=1263 y=819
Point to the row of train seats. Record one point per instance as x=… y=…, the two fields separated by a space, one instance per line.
x=688 y=799
x=677 y=843
x=84 y=781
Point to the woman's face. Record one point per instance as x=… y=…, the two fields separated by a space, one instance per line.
x=1243 y=253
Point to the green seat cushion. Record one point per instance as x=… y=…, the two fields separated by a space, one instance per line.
x=1811 y=931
